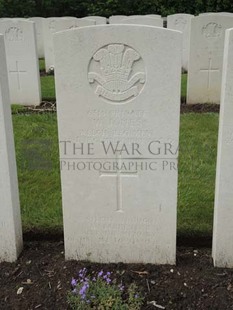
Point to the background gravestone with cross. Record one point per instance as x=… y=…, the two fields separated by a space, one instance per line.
x=52 y=25
x=206 y=57
x=22 y=61
x=118 y=118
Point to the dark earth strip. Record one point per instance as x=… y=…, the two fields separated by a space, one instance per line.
x=45 y=277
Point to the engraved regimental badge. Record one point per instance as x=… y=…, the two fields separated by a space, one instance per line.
x=212 y=30
x=117 y=73
x=14 y=34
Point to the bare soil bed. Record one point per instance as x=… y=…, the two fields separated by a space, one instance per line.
x=45 y=277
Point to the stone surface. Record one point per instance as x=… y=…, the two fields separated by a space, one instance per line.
x=214 y=13
x=116 y=19
x=153 y=15
x=55 y=24
x=22 y=61
x=99 y=20
x=113 y=91
x=182 y=22
x=82 y=22
x=10 y=221
x=223 y=214
x=206 y=57
x=39 y=35
x=143 y=20
x=147 y=15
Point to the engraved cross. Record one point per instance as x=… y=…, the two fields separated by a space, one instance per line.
x=17 y=71
x=209 y=70
x=119 y=174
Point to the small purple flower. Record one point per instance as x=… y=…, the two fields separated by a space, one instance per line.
x=136 y=296
x=82 y=273
x=83 y=290
x=74 y=282
x=107 y=277
x=100 y=273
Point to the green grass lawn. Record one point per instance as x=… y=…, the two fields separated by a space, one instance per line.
x=42 y=64
x=183 y=85
x=48 y=87
x=40 y=192
x=47 y=83
x=197 y=166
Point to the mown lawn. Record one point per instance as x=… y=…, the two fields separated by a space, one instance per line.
x=183 y=86
x=42 y=64
x=48 y=87
x=197 y=166
x=40 y=195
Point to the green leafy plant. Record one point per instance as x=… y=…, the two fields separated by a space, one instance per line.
x=101 y=292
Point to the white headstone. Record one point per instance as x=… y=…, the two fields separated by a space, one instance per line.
x=39 y=35
x=83 y=22
x=99 y=20
x=116 y=19
x=148 y=15
x=153 y=15
x=79 y=22
x=182 y=22
x=206 y=57
x=22 y=61
x=133 y=16
x=69 y=17
x=223 y=214
x=119 y=206
x=143 y=20
x=11 y=242
x=55 y=24
x=214 y=13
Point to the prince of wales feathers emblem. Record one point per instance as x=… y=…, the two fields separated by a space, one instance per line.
x=114 y=79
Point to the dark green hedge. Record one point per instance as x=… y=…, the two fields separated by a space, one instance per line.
x=26 y=8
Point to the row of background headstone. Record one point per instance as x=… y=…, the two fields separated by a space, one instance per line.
x=23 y=51
x=163 y=228
x=203 y=41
